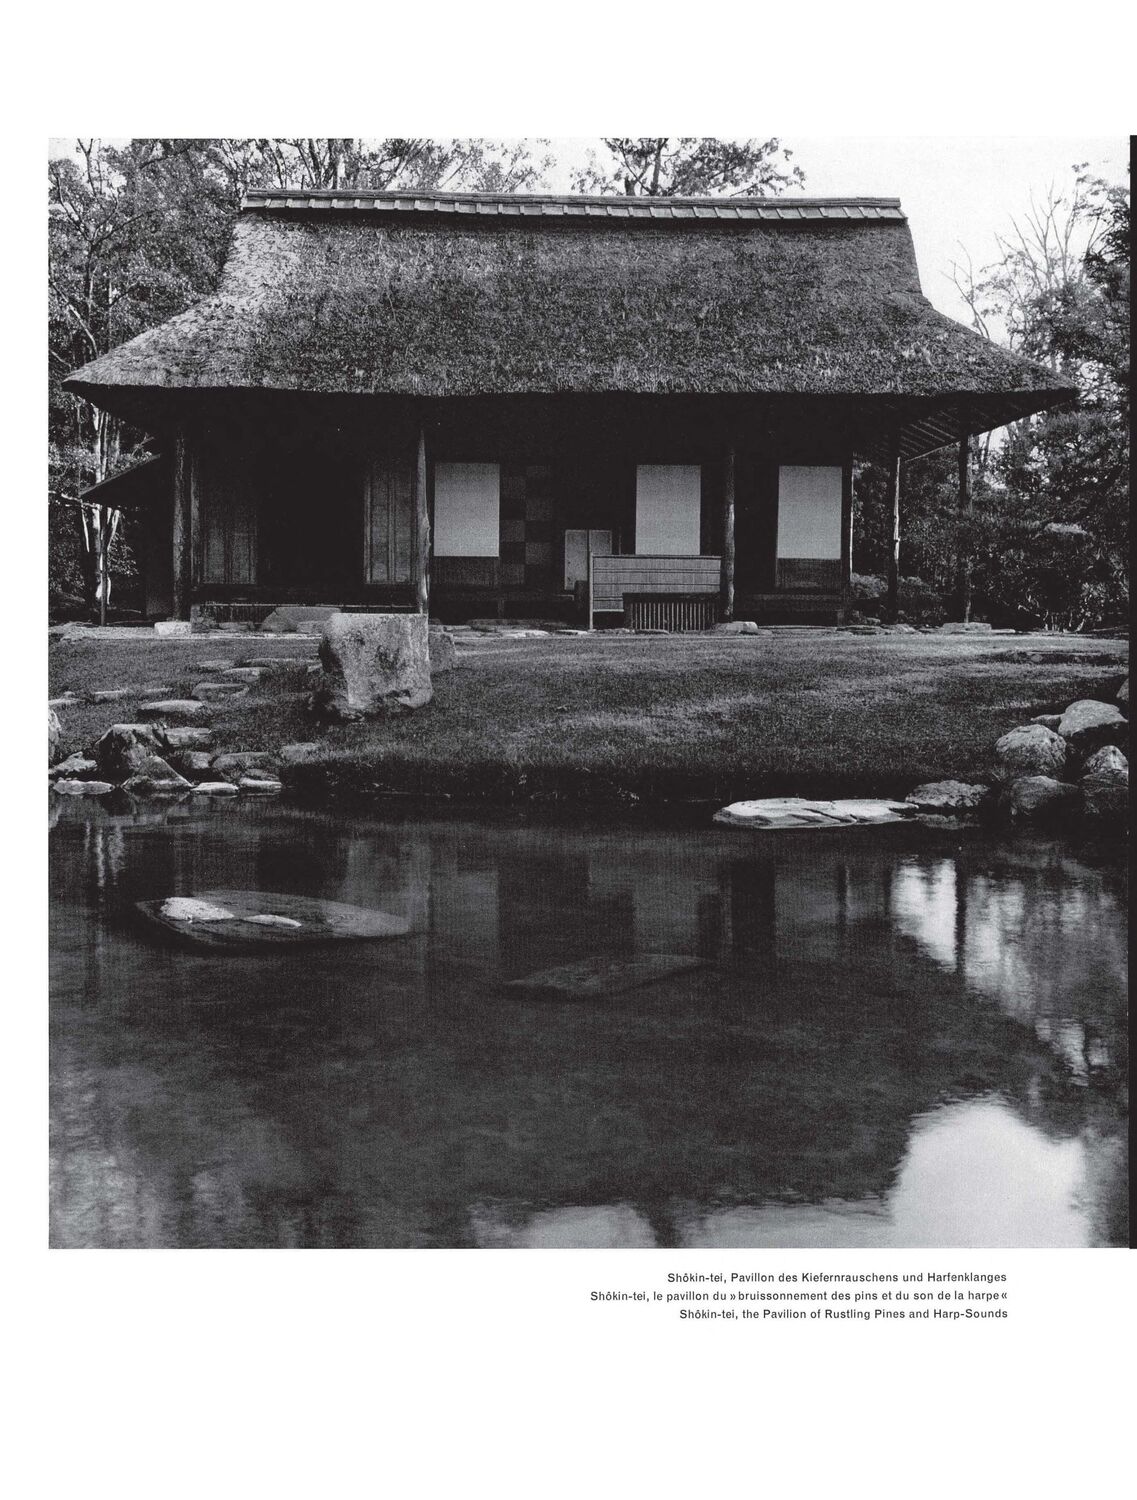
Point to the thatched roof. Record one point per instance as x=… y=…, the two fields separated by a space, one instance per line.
x=462 y=294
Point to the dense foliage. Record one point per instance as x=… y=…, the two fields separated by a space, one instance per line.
x=1048 y=535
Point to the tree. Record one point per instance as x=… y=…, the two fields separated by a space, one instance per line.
x=138 y=233
x=689 y=166
x=1052 y=542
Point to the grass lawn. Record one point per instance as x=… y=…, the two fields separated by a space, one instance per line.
x=714 y=718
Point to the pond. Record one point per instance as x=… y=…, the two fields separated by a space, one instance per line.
x=898 y=1037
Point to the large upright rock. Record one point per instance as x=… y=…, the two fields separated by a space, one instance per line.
x=124 y=749
x=373 y=664
x=1029 y=750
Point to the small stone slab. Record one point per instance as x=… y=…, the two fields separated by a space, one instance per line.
x=593 y=978
x=74 y=766
x=229 y=921
x=215 y=789
x=801 y=812
x=110 y=695
x=275 y=663
x=215 y=664
x=188 y=738
x=173 y=708
x=264 y=786
x=173 y=627
x=68 y=788
x=219 y=690
x=240 y=675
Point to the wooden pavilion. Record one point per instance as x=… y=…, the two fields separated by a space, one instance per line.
x=633 y=410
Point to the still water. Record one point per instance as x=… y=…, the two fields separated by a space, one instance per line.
x=898 y=1038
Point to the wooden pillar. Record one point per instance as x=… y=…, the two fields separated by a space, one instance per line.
x=892 y=603
x=963 y=561
x=846 y=536
x=422 y=529
x=183 y=526
x=727 y=583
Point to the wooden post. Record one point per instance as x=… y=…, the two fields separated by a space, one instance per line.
x=591 y=610
x=183 y=526
x=727 y=584
x=962 y=561
x=422 y=529
x=846 y=537
x=892 y=604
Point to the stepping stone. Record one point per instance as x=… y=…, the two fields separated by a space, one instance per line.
x=259 y=763
x=228 y=921
x=261 y=785
x=215 y=789
x=111 y=695
x=218 y=690
x=77 y=766
x=173 y=627
x=173 y=708
x=275 y=663
x=216 y=664
x=242 y=674
x=592 y=978
x=800 y=812
x=188 y=738
x=68 y=788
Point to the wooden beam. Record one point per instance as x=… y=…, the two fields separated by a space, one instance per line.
x=962 y=560
x=422 y=529
x=726 y=601
x=892 y=603
x=182 y=526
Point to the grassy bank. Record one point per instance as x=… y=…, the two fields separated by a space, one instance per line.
x=655 y=717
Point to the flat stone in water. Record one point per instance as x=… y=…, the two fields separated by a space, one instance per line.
x=215 y=789
x=67 y=788
x=592 y=978
x=251 y=920
x=263 y=785
x=801 y=812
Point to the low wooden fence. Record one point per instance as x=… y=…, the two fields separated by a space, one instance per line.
x=612 y=579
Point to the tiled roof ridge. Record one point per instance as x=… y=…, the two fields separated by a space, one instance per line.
x=570 y=205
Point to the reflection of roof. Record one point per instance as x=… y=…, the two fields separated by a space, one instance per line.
x=139 y=485
x=466 y=294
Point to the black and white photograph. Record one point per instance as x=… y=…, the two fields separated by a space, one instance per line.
x=589 y=693
x=588 y=715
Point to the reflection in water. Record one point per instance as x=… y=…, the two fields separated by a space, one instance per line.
x=894 y=1041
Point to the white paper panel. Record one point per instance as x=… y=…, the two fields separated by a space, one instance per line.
x=809 y=511
x=667 y=510
x=467 y=504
